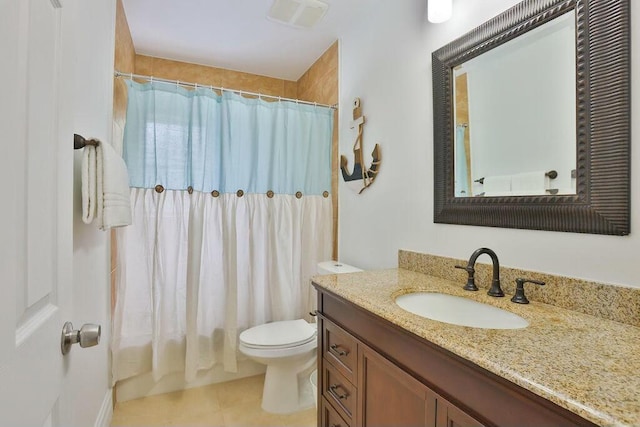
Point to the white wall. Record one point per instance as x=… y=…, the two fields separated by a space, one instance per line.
x=505 y=114
x=88 y=57
x=385 y=59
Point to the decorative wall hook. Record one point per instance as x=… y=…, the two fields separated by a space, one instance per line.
x=360 y=178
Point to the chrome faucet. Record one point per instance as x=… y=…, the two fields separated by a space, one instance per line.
x=495 y=290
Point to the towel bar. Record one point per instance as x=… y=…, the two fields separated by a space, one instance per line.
x=552 y=191
x=551 y=174
x=80 y=142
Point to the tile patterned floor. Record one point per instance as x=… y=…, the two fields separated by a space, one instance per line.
x=230 y=404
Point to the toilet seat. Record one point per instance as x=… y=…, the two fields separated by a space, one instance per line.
x=275 y=347
x=279 y=335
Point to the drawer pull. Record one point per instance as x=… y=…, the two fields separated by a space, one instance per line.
x=334 y=390
x=335 y=348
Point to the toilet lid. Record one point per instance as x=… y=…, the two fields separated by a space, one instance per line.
x=286 y=333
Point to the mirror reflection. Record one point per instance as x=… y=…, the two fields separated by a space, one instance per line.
x=515 y=116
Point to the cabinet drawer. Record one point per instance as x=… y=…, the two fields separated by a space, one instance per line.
x=338 y=390
x=331 y=417
x=340 y=348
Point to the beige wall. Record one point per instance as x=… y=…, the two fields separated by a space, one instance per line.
x=201 y=74
x=462 y=116
x=320 y=82
x=125 y=58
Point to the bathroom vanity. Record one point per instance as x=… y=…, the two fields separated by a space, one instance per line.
x=380 y=365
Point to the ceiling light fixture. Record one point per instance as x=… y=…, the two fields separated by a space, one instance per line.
x=298 y=13
x=439 y=10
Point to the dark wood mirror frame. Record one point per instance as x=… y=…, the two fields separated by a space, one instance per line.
x=603 y=136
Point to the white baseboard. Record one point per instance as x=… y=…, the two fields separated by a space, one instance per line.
x=144 y=385
x=106 y=410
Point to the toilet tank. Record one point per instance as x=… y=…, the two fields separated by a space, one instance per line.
x=335 y=267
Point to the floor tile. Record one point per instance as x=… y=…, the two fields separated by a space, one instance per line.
x=306 y=418
x=240 y=392
x=232 y=404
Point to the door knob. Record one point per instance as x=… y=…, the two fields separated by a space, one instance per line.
x=87 y=336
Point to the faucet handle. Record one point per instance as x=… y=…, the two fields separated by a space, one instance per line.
x=471 y=282
x=468 y=268
x=519 y=296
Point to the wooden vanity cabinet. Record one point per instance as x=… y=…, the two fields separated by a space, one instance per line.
x=375 y=373
x=362 y=388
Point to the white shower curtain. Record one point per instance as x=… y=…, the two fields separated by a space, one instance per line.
x=196 y=268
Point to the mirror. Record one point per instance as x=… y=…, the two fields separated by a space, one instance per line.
x=532 y=119
x=501 y=98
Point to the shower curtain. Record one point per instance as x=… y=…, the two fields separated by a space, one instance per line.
x=231 y=213
x=462 y=173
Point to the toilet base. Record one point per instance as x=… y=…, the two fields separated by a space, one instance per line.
x=287 y=388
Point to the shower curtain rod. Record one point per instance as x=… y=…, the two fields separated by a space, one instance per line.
x=238 y=91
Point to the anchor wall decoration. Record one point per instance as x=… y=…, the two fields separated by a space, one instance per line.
x=360 y=178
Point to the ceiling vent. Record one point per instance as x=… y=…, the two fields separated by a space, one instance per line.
x=298 y=13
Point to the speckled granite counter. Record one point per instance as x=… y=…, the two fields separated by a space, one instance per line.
x=588 y=365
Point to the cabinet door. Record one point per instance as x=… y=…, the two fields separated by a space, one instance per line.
x=450 y=415
x=390 y=397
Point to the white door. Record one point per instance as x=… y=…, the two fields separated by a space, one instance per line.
x=36 y=211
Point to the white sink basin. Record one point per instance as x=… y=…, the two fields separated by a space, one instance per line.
x=459 y=311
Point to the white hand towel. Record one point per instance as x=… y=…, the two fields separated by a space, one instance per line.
x=88 y=184
x=529 y=183
x=114 y=207
x=498 y=185
x=105 y=188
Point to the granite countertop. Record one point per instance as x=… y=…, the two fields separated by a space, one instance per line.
x=588 y=365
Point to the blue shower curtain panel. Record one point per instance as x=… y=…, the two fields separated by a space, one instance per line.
x=181 y=138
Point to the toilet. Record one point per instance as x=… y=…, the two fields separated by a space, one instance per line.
x=288 y=348
x=335 y=267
